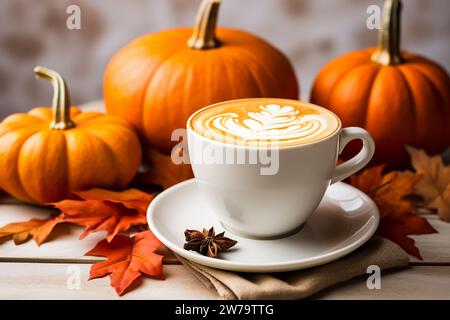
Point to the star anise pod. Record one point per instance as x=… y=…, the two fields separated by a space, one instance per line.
x=206 y=242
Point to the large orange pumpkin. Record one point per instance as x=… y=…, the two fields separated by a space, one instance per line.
x=157 y=81
x=45 y=153
x=400 y=98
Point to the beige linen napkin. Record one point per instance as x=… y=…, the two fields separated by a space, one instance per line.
x=303 y=283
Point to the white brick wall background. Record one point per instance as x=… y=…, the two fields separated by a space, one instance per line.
x=310 y=32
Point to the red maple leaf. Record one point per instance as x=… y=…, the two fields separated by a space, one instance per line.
x=398 y=215
x=127 y=259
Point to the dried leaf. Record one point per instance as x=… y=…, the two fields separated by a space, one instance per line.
x=38 y=229
x=127 y=259
x=397 y=228
x=110 y=211
x=398 y=215
x=434 y=186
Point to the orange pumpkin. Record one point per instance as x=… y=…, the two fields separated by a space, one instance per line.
x=157 y=81
x=45 y=153
x=400 y=98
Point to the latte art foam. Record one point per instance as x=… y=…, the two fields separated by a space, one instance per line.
x=272 y=122
x=251 y=122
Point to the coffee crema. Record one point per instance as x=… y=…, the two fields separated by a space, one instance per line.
x=264 y=122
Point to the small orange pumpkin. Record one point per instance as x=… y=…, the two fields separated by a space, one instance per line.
x=400 y=98
x=157 y=81
x=45 y=154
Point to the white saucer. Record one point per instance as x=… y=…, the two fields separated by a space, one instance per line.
x=345 y=219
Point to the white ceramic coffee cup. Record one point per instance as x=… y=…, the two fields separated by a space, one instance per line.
x=256 y=205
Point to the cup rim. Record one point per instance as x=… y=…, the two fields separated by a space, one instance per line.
x=255 y=147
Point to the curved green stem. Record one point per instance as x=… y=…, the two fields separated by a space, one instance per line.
x=388 y=52
x=61 y=100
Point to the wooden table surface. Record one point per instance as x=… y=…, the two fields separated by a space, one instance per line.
x=31 y=272
x=46 y=272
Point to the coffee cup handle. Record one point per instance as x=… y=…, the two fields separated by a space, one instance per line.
x=356 y=163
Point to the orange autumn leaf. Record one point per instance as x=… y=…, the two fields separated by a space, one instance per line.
x=434 y=186
x=106 y=210
x=132 y=198
x=398 y=215
x=127 y=259
x=38 y=229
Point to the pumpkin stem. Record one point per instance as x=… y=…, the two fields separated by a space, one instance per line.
x=204 y=33
x=61 y=100
x=388 y=52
